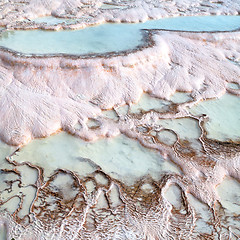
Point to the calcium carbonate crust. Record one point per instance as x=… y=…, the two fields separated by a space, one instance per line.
x=40 y=95
x=43 y=94
x=19 y=15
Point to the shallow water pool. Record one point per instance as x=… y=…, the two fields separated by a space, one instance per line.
x=120 y=157
x=107 y=37
x=224 y=117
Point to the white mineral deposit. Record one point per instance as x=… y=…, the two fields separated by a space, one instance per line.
x=119 y=119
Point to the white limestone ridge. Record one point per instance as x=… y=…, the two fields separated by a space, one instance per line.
x=56 y=92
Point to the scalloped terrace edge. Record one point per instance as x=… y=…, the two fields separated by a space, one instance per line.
x=35 y=85
x=147 y=42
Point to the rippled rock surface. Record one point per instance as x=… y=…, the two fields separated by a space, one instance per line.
x=140 y=143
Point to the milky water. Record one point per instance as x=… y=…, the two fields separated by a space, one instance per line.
x=167 y=137
x=49 y=20
x=186 y=128
x=3 y=232
x=107 y=37
x=234 y=86
x=229 y=193
x=224 y=117
x=203 y=213
x=229 y=197
x=147 y=103
x=173 y=196
x=180 y=97
x=120 y=157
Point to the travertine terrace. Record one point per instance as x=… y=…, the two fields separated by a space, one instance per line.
x=111 y=146
x=93 y=12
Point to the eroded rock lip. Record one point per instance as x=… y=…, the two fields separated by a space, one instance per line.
x=147 y=41
x=41 y=95
x=168 y=62
x=89 y=13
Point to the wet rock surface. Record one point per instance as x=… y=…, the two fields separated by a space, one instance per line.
x=138 y=144
x=93 y=200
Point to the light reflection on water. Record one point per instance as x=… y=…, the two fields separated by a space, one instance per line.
x=107 y=37
x=120 y=157
x=123 y=158
x=224 y=120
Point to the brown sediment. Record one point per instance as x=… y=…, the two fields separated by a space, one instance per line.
x=141 y=211
x=135 y=203
x=147 y=42
x=28 y=69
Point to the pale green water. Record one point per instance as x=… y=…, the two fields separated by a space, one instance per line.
x=3 y=232
x=234 y=86
x=107 y=37
x=120 y=157
x=186 y=128
x=180 y=97
x=167 y=137
x=173 y=196
x=5 y=150
x=223 y=113
x=229 y=193
x=147 y=103
x=224 y=117
x=28 y=176
x=204 y=215
x=52 y=20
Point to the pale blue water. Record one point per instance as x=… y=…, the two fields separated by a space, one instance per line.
x=107 y=37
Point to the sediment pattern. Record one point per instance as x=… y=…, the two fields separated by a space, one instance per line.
x=65 y=204
x=95 y=97
x=58 y=92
